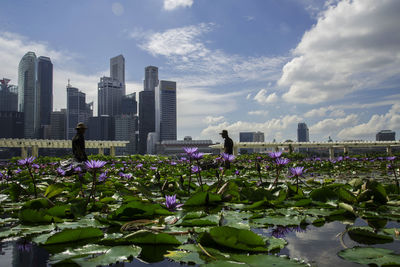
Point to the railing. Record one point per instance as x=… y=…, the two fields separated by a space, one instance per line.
x=35 y=144
x=330 y=145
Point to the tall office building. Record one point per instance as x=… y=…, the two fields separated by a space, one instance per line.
x=386 y=135
x=302 y=132
x=45 y=88
x=8 y=96
x=57 y=124
x=77 y=110
x=129 y=104
x=146 y=118
x=165 y=113
x=12 y=124
x=250 y=137
x=101 y=128
x=126 y=127
x=110 y=93
x=150 y=78
x=28 y=95
x=117 y=70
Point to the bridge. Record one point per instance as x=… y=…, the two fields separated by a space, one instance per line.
x=35 y=144
x=329 y=145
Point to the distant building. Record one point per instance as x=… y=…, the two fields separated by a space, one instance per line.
x=110 y=93
x=117 y=70
x=251 y=137
x=175 y=147
x=126 y=127
x=146 y=118
x=8 y=96
x=58 y=122
x=45 y=89
x=386 y=135
x=77 y=110
x=129 y=104
x=150 y=78
x=152 y=140
x=302 y=132
x=165 y=113
x=101 y=128
x=12 y=124
x=28 y=97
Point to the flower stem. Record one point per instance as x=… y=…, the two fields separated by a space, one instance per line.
x=33 y=181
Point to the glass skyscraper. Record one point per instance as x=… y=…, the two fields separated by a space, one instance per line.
x=165 y=104
x=110 y=93
x=28 y=95
x=302 y=132
x=77 y=110
x=146 y=118
x=150 y=78
x=117 y=70
x=45 y=88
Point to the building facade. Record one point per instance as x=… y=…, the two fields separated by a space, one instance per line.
x=117 y=70
x=129 y=104
x=386 y=135
x=175 y=147
x=45 y=88
x=110 y=93
x=146 y=118
x=251 y=137
x=77 y=110
x=58 y=122
x=28 y=96
x=12 y=124
x=165 y=105
x=126 y=128
x=151 y=78
x=8 y=96
x=302 y=132
x=101 y=128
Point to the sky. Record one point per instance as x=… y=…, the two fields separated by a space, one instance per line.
x=240 y=65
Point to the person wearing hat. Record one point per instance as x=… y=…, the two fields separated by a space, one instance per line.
x=78 y=143
x=228 y=144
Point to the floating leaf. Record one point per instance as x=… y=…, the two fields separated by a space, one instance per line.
x=203 y=198
x=368 y=255
x=78 y=252
x=138 y=210
x=323 y=194
x=366 y=235
x=36 y=216
x=147 y=237
x=54 y=190
x=184 y=256
x=72 y=235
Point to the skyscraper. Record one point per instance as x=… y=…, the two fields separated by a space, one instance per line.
x=165 y=113
x=251 y=137
x=57 y=124
x=125 y=130
x=117 y=70
x=77 y=110
x=45 y=89
x=150 y=78
x=386 y=135
x=110 y=92
x=302 y=132
x=28 y=95
x=146 y=118
x=129 y=104
x=8 y=96
x=101 y=128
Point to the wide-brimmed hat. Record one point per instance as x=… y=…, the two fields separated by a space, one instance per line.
x=223 y=132
x=81 y=125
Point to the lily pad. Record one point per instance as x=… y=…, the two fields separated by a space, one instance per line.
x=114 y=254
x=54 y=190
x=203 y=198
x=72 y=235
x=368 y=255
x=366 y=235
x=147 y=237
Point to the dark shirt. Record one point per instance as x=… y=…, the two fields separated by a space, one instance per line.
x=228 y=145
x=78 y=147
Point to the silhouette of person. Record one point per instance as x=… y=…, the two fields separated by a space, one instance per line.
x=78 y=143
x=228 y=143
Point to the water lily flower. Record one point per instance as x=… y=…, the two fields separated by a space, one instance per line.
x=95 y=164
x=103 y=177
x=227 y=157
x=17 y=171
x=77 y=169
x=391 y=158
x=173 y=163
x=60 y=171
x=190 y=150
x=153 y=168
x=237 y=172
x=196 y=169
x=275 y=155
x=26 y=161
x=139 y=166
x=197 y=155
x=297 y=171
x=281 y=161
x=171 y=204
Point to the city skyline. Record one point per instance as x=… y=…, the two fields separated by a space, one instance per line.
x=243 y=66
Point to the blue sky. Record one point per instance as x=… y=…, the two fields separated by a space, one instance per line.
x=240 y=65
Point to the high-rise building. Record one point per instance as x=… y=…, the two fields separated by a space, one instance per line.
x=101 y=128
x=146 y=118
x=117 y=70
x=77 y=110
x=302 y=132
x=129 y=104
x=250 y=137
x=28 y=96
x=150 y=78
x=165 y=113
x=45 y=88
x=386 y=135
x=57 y=124
x=12 y=124
x=110 y=92
x=126 y=127
x=8 y=96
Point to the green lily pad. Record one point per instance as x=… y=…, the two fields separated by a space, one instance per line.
x=257 y=261
x=184 y=256
x=78 y=252
x=210 y=220
x=36 y=216
x=395 y=232
x=54 y=190
x=366 y=235
x=147 y=237
x=114 y=254
x=280 y=220
x=203 y=198
x=323 y=194
x=72 y=235
x=368 y=255
x=138 y=210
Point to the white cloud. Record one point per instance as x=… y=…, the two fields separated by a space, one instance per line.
x=117 y=9
x=212 y=120
x=334 y=111
x=263 y=98
x=258 y=112
x=354 y=45
x=248 y=96
x=278 y=128
x=173 y=4
x=332 y=126
x=368 y=130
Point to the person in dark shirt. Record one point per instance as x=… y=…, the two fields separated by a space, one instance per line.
x=228 y=143
x=78 y=143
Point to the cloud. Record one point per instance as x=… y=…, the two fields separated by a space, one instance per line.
x=323 y=112
x=278 y=128
x=263 y=98
x=332 y=126
x=212 y=120
x=258 y=112
x=117 y=9
x=368 y=130
x=355 y=45
x=173 y=4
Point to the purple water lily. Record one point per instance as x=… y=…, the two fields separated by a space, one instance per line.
x=139 y=166
x=297 y=171
x=190 y=150
x=196 y=169
x=60 y=171
x=227 y=157
x=26 y=161
x=103 y=177
x=171 y=204
x=95 y=164
x=275 y=155
x=197 y=155
x=281 y=161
